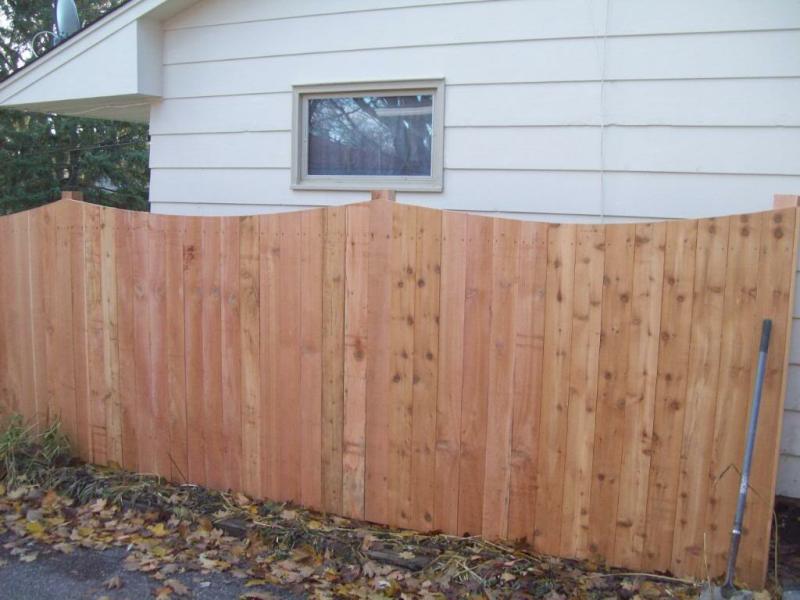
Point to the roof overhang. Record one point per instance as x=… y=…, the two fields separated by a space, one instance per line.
x=110 y=70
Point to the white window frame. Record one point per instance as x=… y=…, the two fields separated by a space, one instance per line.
x=301 y=180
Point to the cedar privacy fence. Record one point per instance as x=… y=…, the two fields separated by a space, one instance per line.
x=581 y=386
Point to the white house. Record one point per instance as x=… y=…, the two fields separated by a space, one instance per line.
x=545 y=109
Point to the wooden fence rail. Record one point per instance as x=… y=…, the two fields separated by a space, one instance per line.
x=580 y=386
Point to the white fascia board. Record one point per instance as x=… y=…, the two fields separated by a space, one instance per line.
x=120 y=56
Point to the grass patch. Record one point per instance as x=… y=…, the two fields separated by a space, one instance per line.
x=31 y=457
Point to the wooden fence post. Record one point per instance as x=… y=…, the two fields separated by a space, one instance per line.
x=72 y=196
x=785 y=201
x=388 y=195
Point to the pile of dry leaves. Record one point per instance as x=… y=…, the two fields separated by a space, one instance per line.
x=168 y=530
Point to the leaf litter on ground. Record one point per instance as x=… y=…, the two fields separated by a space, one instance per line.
x=170 y=529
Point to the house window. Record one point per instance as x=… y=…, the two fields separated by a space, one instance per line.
x=369 y=136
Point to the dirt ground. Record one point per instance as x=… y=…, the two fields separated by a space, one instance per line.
x=788 y=535
x=174 y=542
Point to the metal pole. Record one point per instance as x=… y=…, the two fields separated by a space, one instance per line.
x=736 y=533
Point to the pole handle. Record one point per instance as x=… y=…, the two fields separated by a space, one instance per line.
x=766 y=329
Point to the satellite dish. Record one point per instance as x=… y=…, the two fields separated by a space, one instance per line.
x=67 y=23
x=67 y=20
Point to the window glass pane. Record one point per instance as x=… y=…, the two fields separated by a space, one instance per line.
x=370 y=135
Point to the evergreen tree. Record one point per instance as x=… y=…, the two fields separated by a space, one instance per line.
x=40 y=155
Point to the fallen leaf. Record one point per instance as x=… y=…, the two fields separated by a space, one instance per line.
x=253 y=595
x=64 y=548
x=158 y=530
x=28 y=558
x=113 y=583
x=163 y=593
x=177 y=587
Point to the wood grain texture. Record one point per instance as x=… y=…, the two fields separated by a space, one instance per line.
x=500 y=410
x=612 y=388
x=333 y=294
x=425 y=380
x=648 y=275
x=581 y=387
x=311 y=290
x=475 y=374
x=555 y=386
x=356 y=348
x=586 y=329
x=451 y=357
x=702 y=378
x=670 y=404
x=528 y=364
x=249 y=336
x=379 y=295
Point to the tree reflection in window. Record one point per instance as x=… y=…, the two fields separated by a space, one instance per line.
x=370 y=135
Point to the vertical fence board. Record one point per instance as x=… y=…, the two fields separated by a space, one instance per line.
x=159 y=360
x=702 y=379
x=425 y=378
x=111 y=374
x=505 y=264
x=475 y=374
x=311 y=290
x=333 y=358
x=20 y=262
x=288 y=359
x=379 y=294
x=230 y=342
x=79 y=415
x=611 y=394
x=402 y=270
x=356 y=354
x=40 y=248
x=9 y=370
x=740 y=336
x=95 y=333
x=588 y=294
x=527 y=392
x=673 y=360
x=175 y=299
x=451 y=357
x=143 y=329
x=211 y=376
x=555 y=385
x=648 y=277
x=123 y=244
x=270 y=248
x=250 y=334
x=193 y=293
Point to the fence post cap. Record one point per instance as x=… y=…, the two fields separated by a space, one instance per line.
x=387 y=195
x=72 y=196
x=786 y=201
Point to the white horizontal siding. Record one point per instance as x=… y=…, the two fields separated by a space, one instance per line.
x=703 y=150
x=554 y=110
x=574 y=193
x=771 y=151
x=479 y=22
x=707 y=102
x=214 y=13
x=729 y=55
x=549 y=18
